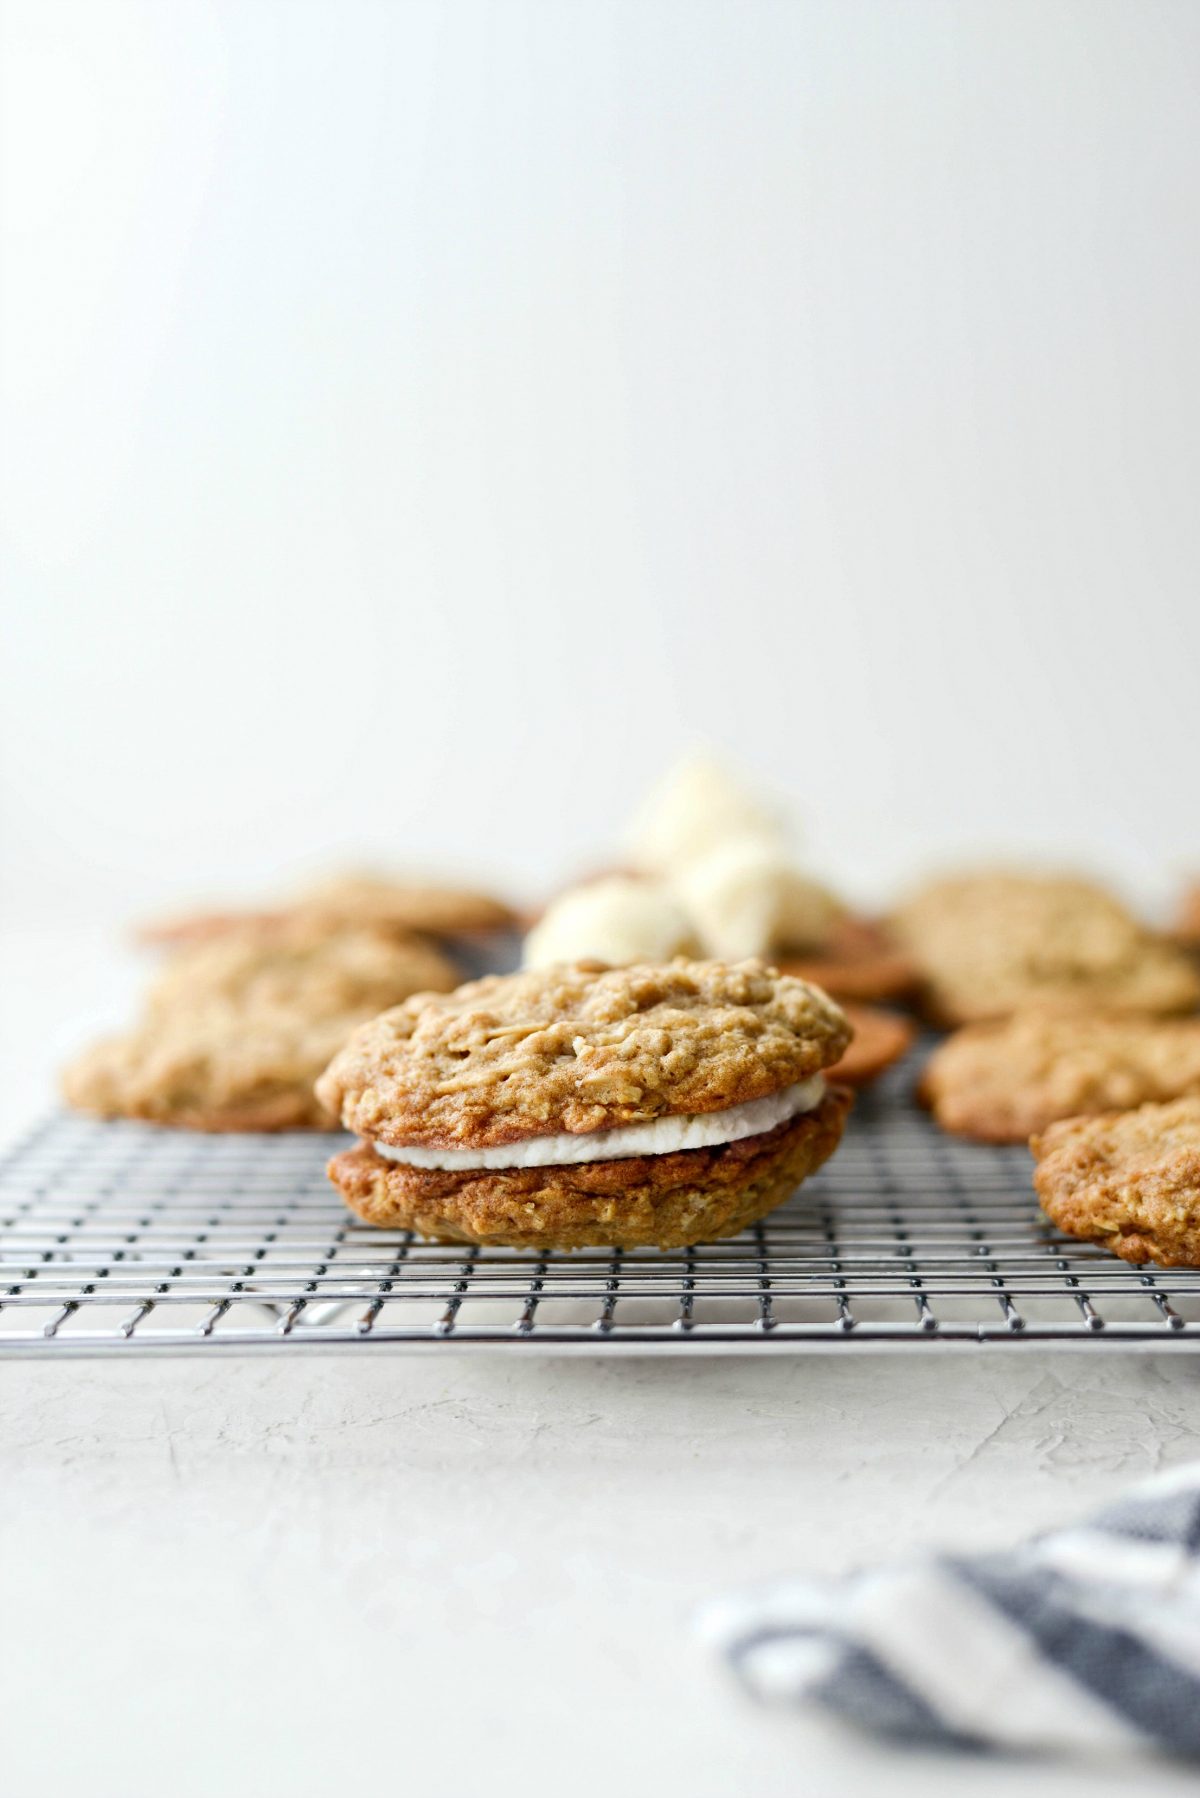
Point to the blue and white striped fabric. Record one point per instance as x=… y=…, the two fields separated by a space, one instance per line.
x=1084 y=1639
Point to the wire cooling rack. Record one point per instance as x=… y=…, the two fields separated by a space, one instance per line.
x=124 y=1238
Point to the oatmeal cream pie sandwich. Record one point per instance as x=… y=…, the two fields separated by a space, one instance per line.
x=578 y=1105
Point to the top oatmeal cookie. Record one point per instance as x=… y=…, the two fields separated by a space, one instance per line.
x=580 y=1047
x=989 y=944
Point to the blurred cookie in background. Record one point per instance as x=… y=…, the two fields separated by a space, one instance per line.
x=990 y=943
x=1002 y=1081
x=380 y=902
x=180 y=930
x=1187 y=921
x=235 y=1030
x=298 y=965
x=385 y=902
x=858 y=960
x=880 y=1039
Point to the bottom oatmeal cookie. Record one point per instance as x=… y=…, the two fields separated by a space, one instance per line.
x=644 y=1201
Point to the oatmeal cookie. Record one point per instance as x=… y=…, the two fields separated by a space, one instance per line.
x=999 y=1082
x=179 y=930
x=235 y=1031
x=217 y=1070
x=1129 y=1180
x=582 y=1104
x=580 y=1047
x=657 y=1201
x=1187 y=922
x=880 y=1038
x=381 y=902
x=356 y=901
x=298 y=965
x=986 y=945
x=858 y=960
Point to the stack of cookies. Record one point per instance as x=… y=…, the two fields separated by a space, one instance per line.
x=252 y=1004
x=658 y=1104
x=674 y=1058
x=236 y=1029
x=1070 y=1036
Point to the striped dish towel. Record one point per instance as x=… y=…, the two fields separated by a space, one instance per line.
x=1083 y=1639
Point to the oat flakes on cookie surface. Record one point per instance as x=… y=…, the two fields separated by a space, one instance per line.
x=581 y=1104
x=989 y=944
x=1128 y=1180
x=235 y=1031
x=1001 y=1081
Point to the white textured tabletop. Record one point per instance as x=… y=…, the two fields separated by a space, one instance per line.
x=466 y=1573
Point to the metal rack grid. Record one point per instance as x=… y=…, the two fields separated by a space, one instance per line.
x=121 y=1238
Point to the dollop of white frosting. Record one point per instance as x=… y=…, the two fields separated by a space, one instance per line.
x=658 y=1136
x=747 y=897
x=698 y=805
x=616 y=920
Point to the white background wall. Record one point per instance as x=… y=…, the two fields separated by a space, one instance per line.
x=422 y=419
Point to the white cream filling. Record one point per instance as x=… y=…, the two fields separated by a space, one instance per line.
x=658 y=1136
